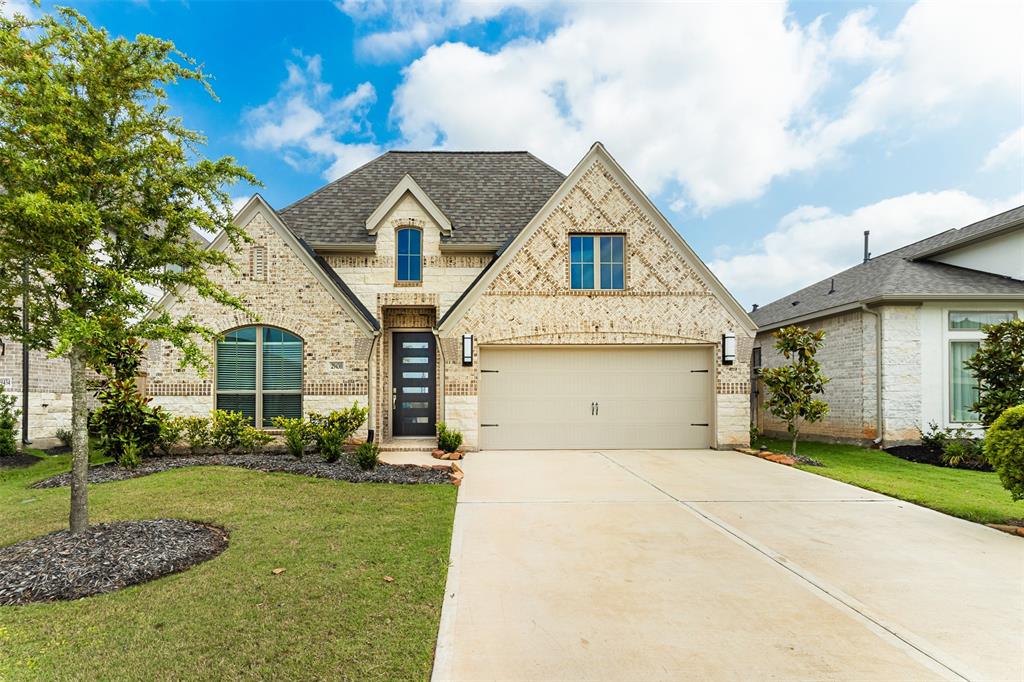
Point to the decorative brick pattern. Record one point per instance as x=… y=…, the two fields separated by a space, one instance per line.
x=665 y=301
x=291 y=298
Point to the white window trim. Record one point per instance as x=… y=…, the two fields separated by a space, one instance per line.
x=596 y=262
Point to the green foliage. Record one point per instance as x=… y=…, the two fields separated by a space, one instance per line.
x=1004 y=447
x=296 y=434
x=64 y=436
x=228 y=430
x=934 y=437
x=195 y=431
x=127 y=427
x=367 y=456
x=8 y=423
x=330 y=432
x=103 y=186
x=253 y=440
x=791 y=387
x=965 y=453
x=448 y=440
x=170 y=432
x=999 y=368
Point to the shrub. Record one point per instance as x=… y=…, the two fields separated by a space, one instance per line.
x=965 y=453
x=296 y=434
x=170 y=432
x=999 y=366
x=367 y=456
x=253 y=439
x=227 y=429
x=1004 y=447
x=934 y=437
x=64 y=436
x=196 y=432
x=448 y=440
x=330 y=432
x=8 y=424
x=126 y=426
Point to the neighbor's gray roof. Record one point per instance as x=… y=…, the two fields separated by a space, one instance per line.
x=897 y=273
x=488 y=196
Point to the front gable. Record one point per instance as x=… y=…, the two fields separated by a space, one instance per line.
x=679 y=291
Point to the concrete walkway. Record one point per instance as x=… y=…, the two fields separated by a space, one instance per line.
x=659 y=565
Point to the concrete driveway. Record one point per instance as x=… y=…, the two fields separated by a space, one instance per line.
x=688 y=565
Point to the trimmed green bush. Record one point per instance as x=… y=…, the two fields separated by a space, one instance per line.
x=330 y=432
x=367 y=456
x=227 y=430
x=253 y=440
x=1004 y=447
x=195 y=431
x=170 y=433
x=64 y=436
x=296 y=434
x=448 y=440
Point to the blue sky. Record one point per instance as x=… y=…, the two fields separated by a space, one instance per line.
x=770 y=135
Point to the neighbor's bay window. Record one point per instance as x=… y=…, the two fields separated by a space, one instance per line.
x=596 y=262
x=259 y=373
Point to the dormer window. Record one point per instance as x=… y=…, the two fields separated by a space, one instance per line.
x=410 y=254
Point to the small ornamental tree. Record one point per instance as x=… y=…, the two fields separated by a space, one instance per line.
x=792 y=386
x=102 y=187
x=999 y=367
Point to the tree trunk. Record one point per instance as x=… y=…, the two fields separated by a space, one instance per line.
x=792 y=450
x=79 y=443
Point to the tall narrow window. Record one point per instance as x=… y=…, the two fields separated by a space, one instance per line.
x=410 y=255
x=259 y=373
x=596 y=262
x=963 y=386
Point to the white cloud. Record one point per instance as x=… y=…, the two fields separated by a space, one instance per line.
x=8 y=8
x=710 y=102
x=408 y=25
x=813 y=242
x=312 y=127
x=1008 y=152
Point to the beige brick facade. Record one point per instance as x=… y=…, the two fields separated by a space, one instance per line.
x=667 y=300
x=49 y=397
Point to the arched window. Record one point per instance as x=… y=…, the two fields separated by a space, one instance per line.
x=259 y=373
x=410 y=254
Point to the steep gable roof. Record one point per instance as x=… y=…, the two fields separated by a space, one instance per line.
x=488 y=196
x=597 y=152
x=903 y=273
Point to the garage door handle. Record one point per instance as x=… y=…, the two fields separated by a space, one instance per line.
x=489 y=371
x=482 y=425
x=698 y=424
x=698 y=371
x=597 y=408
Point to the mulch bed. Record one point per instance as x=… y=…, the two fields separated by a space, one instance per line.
x=808 y=461
x=315 y=467
x=18 y=460
x=106 y=557
x=923 y=454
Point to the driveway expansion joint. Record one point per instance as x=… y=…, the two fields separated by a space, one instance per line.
x=833 y=595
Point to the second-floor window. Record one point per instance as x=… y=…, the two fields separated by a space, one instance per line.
x=410 y=255
x=596 y=261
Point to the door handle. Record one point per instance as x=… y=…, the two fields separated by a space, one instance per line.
x=597 y=409
x=592 y=409
x=394 y=397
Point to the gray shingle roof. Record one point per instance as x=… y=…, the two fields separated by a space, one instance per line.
x=488 y=196
x=897 y=273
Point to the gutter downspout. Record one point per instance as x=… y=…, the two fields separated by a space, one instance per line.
x=440 y=373
x=879 y=420
x=25 y=440
x=371 y=388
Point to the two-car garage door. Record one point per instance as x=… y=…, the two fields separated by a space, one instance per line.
x=600 y=398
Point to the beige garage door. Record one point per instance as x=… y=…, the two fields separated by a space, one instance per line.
x=601 y=398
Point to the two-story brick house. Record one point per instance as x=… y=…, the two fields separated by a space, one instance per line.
x=526 y=308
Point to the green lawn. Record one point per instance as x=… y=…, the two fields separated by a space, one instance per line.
x=331 y=615
x=972 y=495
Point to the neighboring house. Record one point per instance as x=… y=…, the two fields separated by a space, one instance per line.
x=49 y=385
x=898 y=329
x=525 y=308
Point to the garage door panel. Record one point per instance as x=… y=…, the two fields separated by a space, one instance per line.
x=544 y=398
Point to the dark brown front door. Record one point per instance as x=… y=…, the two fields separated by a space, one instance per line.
x=413 y=392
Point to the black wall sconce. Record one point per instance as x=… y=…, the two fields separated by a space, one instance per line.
x=728 y=348
x=467 y=350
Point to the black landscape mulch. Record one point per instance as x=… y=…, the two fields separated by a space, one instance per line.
x=106 y=557
x=808 y=461
x=338 y=471
x=923 y=454
x=17 y=460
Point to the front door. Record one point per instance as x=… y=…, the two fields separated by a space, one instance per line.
x=413 y=384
